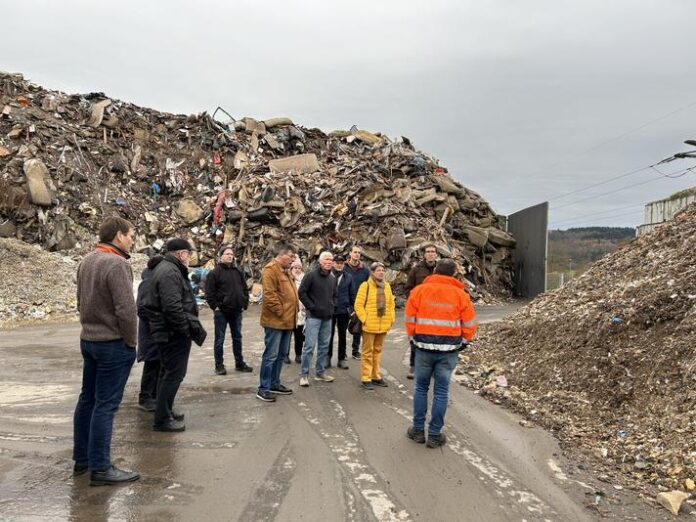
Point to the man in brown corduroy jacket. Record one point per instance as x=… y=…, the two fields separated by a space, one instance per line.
x=107 y=342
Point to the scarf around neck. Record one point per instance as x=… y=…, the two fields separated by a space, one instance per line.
x=381 y=298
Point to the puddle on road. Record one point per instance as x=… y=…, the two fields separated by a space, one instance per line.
x=34 y=394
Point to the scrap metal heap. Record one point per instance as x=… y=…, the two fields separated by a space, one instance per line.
x=608 y=361
x=66 y=161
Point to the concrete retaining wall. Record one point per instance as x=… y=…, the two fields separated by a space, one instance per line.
x=658 y=212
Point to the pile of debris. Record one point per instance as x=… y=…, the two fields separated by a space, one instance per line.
x=608 y=361
x=68 y=160
x=36 y=285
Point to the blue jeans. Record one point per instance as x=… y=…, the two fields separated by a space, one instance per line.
x=440 y=367
x=105 y=370
x=221 y=321
x=317 y=333
x=277 y=345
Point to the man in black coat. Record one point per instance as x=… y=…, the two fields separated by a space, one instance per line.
x=227 y=295
x=171 y=311
x=148 y=351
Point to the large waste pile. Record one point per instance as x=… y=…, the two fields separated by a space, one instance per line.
x=608 y=361
x=68 y=160
x=36 y=285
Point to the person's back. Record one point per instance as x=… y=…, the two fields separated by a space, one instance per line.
x=439 y=319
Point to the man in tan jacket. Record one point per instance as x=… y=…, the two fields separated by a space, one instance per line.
x=278 y=317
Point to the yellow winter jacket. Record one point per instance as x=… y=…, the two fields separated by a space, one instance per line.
x=366 y=308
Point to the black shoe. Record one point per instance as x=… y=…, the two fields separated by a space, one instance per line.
x=435 y=441
x=416 y=435
x=111 y=476
x=281 y=390
x=148 y=405
x=410 y=373
x=178 y=416
x=244 y=367
x=380 y=382
x=80 y=468
x=356 y=356
x=265 y=396
x=298 y=359
x=220 y=369
x=367 y=385
x=287 y=360
x=342 y=364
x=170 y=426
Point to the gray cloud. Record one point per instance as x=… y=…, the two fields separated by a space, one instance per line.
x=520 y=100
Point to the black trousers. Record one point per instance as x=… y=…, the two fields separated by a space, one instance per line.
x=356 y=344
x=339 y=321
x=174 y=357
x=149 y=381
x=298 y=335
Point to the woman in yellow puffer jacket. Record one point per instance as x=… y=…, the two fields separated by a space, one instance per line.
x=375 y=307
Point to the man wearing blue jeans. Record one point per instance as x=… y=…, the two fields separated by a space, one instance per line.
x=318 y=294
x=279 y=309
x=107 y=343
x=227 y=295
x=440 y=320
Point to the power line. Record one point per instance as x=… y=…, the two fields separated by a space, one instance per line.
x=600 y=183
x=635 y=212
x=574 y=218
x=616 y=138
x=673 y=175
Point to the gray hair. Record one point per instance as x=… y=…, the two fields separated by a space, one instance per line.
x=324 y=255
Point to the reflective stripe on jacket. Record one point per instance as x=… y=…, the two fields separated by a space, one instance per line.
x=439 y=314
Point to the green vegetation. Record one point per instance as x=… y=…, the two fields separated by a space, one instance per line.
x=572 y=251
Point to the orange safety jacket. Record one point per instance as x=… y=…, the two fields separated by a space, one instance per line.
x=439 y=314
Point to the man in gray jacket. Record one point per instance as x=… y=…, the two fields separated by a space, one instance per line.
x=107 y=342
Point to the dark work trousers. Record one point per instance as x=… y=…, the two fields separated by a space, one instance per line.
x=149 y=381
x=174 y=357
x=356 y=344
x=339 y=321
x=412 y=358
x=298 y=336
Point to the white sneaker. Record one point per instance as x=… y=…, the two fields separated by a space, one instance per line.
x=323 y=378
x=304 y=381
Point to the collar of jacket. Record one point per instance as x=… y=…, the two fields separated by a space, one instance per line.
x=175 y=261
x=444 y=280
x=323 y=273
x=112 y=249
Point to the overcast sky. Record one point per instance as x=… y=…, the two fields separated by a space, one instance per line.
x=521 y=100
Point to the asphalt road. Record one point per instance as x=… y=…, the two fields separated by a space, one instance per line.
x=330 y=452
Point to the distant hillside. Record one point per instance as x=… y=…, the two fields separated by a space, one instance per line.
x=572 y=251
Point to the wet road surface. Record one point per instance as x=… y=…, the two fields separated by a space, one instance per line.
x=330 y=452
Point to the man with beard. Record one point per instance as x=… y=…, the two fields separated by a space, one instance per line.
x=228 y=296
x=170 y=308
x=416 y=276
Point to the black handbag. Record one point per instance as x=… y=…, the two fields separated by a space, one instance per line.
x=354 y=324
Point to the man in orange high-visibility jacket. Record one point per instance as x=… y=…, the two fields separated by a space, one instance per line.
x=440 y=320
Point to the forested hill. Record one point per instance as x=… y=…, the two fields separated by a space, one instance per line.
x=576 y=248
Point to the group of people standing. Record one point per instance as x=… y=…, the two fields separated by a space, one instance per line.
x=310 y=307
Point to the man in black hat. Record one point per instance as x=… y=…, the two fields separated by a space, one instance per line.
x=172 y=313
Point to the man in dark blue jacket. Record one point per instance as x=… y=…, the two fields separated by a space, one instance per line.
x=342 y=310
x=360 y=273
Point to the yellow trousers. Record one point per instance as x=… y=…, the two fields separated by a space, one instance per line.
x=371 y=356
